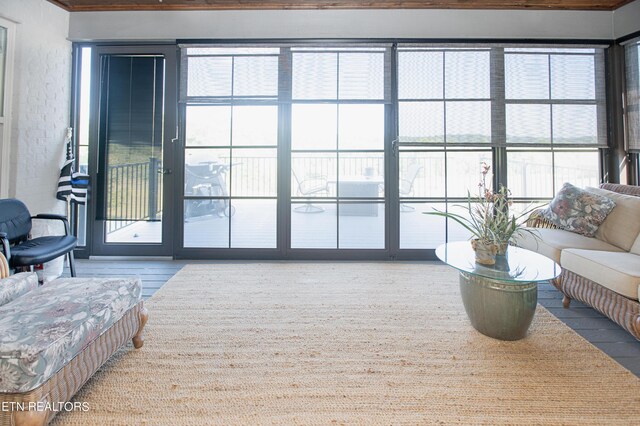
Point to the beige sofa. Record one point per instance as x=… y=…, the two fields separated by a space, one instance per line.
x=603 y=272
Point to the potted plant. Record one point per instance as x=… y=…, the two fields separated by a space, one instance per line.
x=489 y=219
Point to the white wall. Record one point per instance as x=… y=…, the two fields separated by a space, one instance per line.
x=41 y=97
x=423 y=23
x=626 y=20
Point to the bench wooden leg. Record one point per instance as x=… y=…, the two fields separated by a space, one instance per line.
x=566 y=301
x=138 y=339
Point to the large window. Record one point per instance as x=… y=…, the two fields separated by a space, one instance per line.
x=444 y=110
x=308 y=147
x=231 y=148
x=632 y=106
x=554 y=118
x=539 y=110
x=337 y=148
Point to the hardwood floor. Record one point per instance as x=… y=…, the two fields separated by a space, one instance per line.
x=590 y=324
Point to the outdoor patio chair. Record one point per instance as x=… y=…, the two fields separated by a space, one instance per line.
x=406 y=184
x=20 y=251
x=309 y=186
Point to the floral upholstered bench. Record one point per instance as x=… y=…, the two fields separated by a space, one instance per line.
x=53 y=338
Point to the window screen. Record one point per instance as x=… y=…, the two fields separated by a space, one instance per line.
x=632 y=94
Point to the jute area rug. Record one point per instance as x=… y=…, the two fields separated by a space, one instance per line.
x=352 y=343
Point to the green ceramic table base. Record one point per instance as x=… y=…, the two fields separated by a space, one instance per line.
x=499 y=309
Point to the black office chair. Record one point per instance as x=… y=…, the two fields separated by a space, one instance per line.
x=15 y=226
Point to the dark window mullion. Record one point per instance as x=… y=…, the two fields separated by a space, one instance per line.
x=498 y=117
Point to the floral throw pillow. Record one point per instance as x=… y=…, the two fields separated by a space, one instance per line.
x=576 y=210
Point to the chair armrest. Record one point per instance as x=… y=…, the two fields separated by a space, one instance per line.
x=536 y=220
x=49 y=216
x=6 y=247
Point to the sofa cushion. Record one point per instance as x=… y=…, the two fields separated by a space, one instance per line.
x=16 y=285
x=577 y=210
x=619 y=272
x=43 y=330
x=552 y=241
x=622 y=225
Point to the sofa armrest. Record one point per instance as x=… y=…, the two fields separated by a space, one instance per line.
x=17 y=285
x=536 y=220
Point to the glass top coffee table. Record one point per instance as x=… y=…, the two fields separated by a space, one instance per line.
x=501 y=299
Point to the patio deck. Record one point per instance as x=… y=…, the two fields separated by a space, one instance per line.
x=253 y=225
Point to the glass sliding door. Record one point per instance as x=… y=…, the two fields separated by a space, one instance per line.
x=230 y=148
x=283 y=149
x=133 y=157
x=445 y=135
x=338 y=148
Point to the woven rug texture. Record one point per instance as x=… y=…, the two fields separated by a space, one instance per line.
x=345 y=343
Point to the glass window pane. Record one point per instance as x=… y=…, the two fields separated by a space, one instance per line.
x=530 y=174
x=82 y=132
x=253 y=223
x=528 y=123
x=254 y=173
x=317 y=230
x=208 y=125
x=255 y=76
x=421 y=121
x=83 y=158
x=206 y=223
x=575 y=124
x=422 y=174
x=361 y=127
x=255 y=125
x=313 y=174
x=464 y=172
x=418 y=230
x=205 y=172
x=632 y=96
x=573 y=77
x=314 y=126
x=466 y=75
x=3 y=58
x=468 y=122
x=455 y=231
x=361 y=76
x=361 y=175
x=547 y=49
x=209 y=76
x=420 y=75
x=194 y=51
x=133 y=231
x=579 y=168
x=315 y=76
x=361 y=226
x=526 y=76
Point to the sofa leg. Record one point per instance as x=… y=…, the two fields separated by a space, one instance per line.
x=138 y=339
x=29 y=418
x=566 y=301
x=636 y=323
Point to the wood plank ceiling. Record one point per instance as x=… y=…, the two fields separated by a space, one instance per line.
x=106 y=5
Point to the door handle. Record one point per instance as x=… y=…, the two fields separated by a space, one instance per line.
x=394 y=147
x=164 y=171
